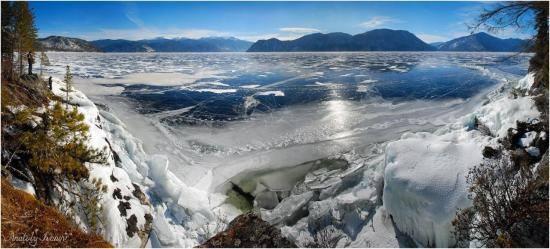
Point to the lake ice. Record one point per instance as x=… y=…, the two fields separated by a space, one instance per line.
x=220 y=117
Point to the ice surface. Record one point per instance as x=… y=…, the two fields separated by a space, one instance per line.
x=274 y=93
x=363 y=101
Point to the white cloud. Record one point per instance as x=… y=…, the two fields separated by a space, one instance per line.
x=299 y=30
x=429 y=38
x=378 y=21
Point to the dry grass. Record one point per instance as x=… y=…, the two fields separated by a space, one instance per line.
x=27 y=222
x=32 y=93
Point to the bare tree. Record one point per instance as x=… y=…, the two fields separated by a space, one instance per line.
x=522 y=15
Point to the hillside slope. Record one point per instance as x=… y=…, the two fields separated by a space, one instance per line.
x=60 y=43
x=481 y=42
x=38 y=225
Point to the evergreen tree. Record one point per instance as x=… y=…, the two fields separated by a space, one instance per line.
x=57 y=149
x=68 y=82
x=8 y=44
x=25 y=31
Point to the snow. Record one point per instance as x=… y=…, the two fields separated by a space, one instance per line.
x=425 y=173
x=250 y=86
x=526 y=82
x=362 y=88
x=274 y=93
x=114 y=224
x=184 y=186
x=527 y=139
x=181 y=212
x=501 y=115
x=214 y=90
x=533 y=151
x=22 y=185
x=379 y=234
x=425 y=183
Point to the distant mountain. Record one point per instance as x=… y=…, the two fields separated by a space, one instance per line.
x=229 y=44
x=436 y=44
x=374 y=40
x=120 y=45
x=211 y=44
x=484 y=42
x=60 y=43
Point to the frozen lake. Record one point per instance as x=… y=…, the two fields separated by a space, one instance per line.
x=215 y=115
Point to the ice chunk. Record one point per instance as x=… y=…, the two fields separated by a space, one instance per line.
x=267 y=200
x=289 y=209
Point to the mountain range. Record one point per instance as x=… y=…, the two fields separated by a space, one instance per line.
x=374 y=40
x=209 y=44
x=61 y=43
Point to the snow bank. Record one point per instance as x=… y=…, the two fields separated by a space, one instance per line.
x=425 y=183
x=502 y=114
x=425 y=173
x=181 y=216
x=121 y=190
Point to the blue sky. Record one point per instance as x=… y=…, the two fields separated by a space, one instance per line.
x=430 y=21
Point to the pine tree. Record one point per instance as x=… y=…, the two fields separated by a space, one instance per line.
x=57 y=149
x=68 y=82
x=8 y=44
x=25 y=31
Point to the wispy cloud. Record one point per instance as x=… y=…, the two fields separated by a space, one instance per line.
x=299 y=30
x=378 y=21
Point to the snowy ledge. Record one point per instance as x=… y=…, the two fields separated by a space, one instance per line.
x=425 y=174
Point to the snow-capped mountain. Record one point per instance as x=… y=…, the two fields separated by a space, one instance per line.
x=60 y=43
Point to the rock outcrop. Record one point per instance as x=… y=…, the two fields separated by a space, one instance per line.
x=248 y=230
